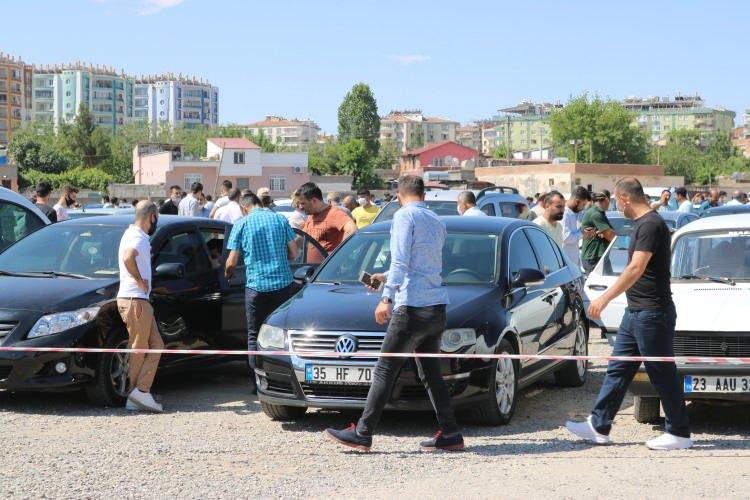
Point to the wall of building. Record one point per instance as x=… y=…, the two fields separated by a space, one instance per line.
x=151 y=168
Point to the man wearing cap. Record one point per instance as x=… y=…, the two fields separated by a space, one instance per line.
x=595 y=219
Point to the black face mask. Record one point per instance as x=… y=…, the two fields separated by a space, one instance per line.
x=69 y=201
x=153 y=226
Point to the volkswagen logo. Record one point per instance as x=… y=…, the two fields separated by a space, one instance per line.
x=724 y=348
x=347 y=343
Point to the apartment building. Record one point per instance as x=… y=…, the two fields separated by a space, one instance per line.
x=411 y=129
x=175 y=100
x=523 y=128
x=289 y=133
x=470 y=136
x=15 y=95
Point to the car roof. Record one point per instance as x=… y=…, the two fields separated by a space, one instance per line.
x=459 y=224
x=452 y=195
x=728 y=209
x=734 y=221
x=13 y=197
x=126 y=220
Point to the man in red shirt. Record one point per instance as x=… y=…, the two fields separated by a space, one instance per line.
x=326 y=224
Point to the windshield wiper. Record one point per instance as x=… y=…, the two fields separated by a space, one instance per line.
x=21 y=274
x=336 y=283
x=60 y=274
x=715 y=279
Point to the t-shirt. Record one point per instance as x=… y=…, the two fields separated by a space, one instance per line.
x=48 y=211
x=652 y=290
x=364 y=216
x=555 y=231
x=592 y=249
x=135 y=238
x=474 y=212
x=168 y=208
x=327 y=227
x=61 y=212
x=189 y=207
x=230 y=212
x=685 y=206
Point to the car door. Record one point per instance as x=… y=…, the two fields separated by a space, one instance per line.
x=604 y=275
x=16 y=222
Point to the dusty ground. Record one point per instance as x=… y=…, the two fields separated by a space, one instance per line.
x=215 y=442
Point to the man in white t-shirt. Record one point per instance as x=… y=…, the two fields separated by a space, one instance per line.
x=134 y=257
x=683 y=203
x=467 y=205
x=554 y=204
x=67 y=200
x=223 y=200
x=231 y=212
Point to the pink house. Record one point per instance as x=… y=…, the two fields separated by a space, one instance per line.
x=436 y=157
x=235 y=159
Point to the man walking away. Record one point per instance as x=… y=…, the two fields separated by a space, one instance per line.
x=554 y=204
x=683 y=203
x=647 y=327
x=170 y=207
x=595 y=221
x=329 y=226
x=43 y=192
x=414 y=289
x=572 y=231
x=366 y=212
x=223 y=200
x=135 y=309
x=231 y=211
x=267 y=243
x=66 y=201
x=190 y=206
x=467 y=205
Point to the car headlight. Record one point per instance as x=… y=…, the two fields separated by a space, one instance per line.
x=271 y=337
x=453 y=340
x=59 y=322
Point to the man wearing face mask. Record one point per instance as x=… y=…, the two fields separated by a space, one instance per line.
x=170 y=207
x=554 y=203
x=366 y=212
x=67 y=200
x=134 y=257
x=467 y=205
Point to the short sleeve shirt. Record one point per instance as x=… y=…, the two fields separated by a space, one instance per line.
x=134 y=238
x=555 y=231
x=363 y=216
x=652 y=290
x=592 y=249
x=327 y=227
x=262 y=239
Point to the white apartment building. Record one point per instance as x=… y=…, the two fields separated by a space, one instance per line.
x=406 y=127
x=177 y=100
x=289 y=133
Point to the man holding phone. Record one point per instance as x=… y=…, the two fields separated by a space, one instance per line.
x=413 y=289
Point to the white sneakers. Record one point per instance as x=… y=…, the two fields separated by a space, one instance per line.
x=142 y=401
x=585 y=430
x=669 y=441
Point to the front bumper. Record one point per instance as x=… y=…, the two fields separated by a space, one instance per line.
x=641 y=385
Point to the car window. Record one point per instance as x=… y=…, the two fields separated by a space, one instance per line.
x=724 y=254
x=310 y=252
x=509 y=210
x=520 y=254
x=185 y=249
x=545 y=252
x=15 y=223
x=440 y=207
x=489 y=209
x=616 y=259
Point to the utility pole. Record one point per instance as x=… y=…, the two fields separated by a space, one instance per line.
x=507 y=144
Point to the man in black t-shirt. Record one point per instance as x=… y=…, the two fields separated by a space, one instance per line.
x=43 y=192
x=647 y=327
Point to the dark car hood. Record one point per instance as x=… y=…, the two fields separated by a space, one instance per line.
x=351 y=307
x=53 y=294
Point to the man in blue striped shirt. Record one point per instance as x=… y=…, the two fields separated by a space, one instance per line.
x=415 y=291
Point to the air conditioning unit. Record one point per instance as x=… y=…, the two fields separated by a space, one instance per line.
x=299 y=170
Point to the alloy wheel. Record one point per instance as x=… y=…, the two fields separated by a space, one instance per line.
x=581 y=349
x=119 y=371
x=505 y=384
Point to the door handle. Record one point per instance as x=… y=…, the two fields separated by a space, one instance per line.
x=598 y=287
x=549 y=298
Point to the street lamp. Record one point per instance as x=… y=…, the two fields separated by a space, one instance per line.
x=575 y=143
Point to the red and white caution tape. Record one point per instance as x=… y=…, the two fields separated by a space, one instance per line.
x=338 y=355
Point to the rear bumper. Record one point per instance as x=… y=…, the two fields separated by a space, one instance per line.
x=641 y=385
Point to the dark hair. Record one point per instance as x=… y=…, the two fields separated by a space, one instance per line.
x=722 y=193
x=114 y=200
x=363 y=191
x=209 y=197
x=69 y=189
x=178 y=188
x=105 y=197
x=233 y=194
x=250 y=200
x=43 y=189
x=666 y=191
x=632 y=187
x=411 y=184
x=467 y=197
x=552 y=194
x=602 y=195
x=681 y=191
x=227 y=184
x=266 y=200
x=581 y=193
x=529 y=199
x=196 y=187
x=310 y=190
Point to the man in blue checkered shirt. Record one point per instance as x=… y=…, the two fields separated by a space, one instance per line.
x=267 y=243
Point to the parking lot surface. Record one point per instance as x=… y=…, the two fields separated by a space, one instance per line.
x=214 y=441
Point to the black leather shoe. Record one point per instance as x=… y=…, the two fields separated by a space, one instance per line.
x=349 y=437
x=445 y=442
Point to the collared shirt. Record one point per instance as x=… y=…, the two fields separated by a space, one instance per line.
x=474 y=212
x=262 y=239
x=415 y=276
x=230 y=212
x=189 y=206
x=571 y=235
x=555 y=231
x=134 y=238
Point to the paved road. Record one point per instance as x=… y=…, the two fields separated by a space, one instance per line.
x=215 y=442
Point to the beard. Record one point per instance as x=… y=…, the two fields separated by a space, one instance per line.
x=557 y=217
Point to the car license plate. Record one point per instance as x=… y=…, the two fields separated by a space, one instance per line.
x=331 y=374
x=694 y=383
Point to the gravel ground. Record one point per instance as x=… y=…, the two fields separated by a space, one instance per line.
x=215 y=442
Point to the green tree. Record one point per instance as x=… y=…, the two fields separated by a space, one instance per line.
x=36 y=147
x=700 y=159
x=355 y=160
x=606 y=129
x=82 y=139
x=500 y=152
x=416 y=140
x=358 y=118
x=323 y=159
x=388 y=155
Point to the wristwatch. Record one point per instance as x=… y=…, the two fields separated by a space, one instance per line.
x=386 y=300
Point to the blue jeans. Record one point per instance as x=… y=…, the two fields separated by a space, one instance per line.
x=647 y=332
x=258 y=307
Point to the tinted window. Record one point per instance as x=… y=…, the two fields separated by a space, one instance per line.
x=616 y=259
x=509 y=210
x=183 y=249
x=440 y=207
x=15 y=223
x=489 y=209
x=544 y=250
x=520 y=254
x=717 y=253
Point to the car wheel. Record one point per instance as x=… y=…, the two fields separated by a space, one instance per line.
x=500 y=404
x=574 y=373
x=282 y=412
x=646 y=410
x=112 y=380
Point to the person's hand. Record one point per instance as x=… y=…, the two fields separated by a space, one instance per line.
x=228 y=273
x=143 y=285
x=382 y=313
x=596 y=307
x=380 y=277
x=588 y=233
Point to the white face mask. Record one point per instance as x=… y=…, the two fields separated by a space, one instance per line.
x=458 y=209
x=362 y=201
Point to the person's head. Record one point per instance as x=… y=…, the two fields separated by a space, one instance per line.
x=540 y=199
x=666 y=194
x=579 y=199
x=215 y=247
x=209 y=197
x=410 y=189
x=713 y=197
x=312 y=198
x=554 y=206
x=723 y=197
x=387 y=197
x=680 y=194
x=105 y=198
x=43 y=191
x=248 y=202
x=334 y=198
x=68 y=195
x=530 y=200
x=744 y=198
x=225 y=187
x=350 y=202
x=233 y=194
x=630 y=198
x=738 y=195
x=264 y=191
x=466 y=200
x=297 y=202
x=115 y=201
x=246 y=192
x=364 y=197
x=197 y=189
x=602 y=199
x=146 y=216
x=266 y=201
x=698 y=198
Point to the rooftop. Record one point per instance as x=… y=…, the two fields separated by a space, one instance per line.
x=232 y=143
x=279 y=121
x=429 y=147
x=171 y=77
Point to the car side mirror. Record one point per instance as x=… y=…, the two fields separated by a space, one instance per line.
x=170 y=271
x=304 y=273
x=527 y=277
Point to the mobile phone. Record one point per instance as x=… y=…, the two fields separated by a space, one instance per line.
x=368 y=280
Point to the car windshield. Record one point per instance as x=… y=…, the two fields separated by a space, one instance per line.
x=440 y=207
x=718 y=254
x=66 y=248
x=468 y=259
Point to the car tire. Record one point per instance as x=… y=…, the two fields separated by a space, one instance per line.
x=646 y=410
x=500 y=404
x=282 y=412
x=574 y=373
x=112 y=378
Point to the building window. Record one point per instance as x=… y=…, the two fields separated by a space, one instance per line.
x=277 y=183
x=243 y=183
x=551 y=181
x=239 y=158
x=161 y=102
x=190 y=179
x=67 y=94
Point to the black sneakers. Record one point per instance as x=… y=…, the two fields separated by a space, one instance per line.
x=445 y=442
x=349 y=437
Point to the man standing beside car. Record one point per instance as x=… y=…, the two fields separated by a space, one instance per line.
x=647 y=327
x=43 y=192
x=595 y=220
x=134 y=258
x=329 y=226
x=413 y=288
x=170 y=207
x=554 y=208
x=572 y=230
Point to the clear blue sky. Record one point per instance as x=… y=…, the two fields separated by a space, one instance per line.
x=459 y=60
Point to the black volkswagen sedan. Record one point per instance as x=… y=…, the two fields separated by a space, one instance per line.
x=58 y=288
x=511 y=291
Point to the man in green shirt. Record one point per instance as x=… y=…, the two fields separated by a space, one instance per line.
x=596 y=218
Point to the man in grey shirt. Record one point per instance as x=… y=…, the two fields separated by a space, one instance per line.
x=190 y=204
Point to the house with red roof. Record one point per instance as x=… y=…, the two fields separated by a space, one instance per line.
x=441 y=156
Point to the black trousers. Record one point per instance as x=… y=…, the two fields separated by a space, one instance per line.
x=411 y=329
x=260 y=305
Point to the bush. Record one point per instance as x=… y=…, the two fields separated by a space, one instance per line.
x=80 y=177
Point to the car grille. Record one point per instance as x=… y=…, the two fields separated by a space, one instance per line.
x=280 y=386
x=326 y=341
x=6 y=328
x=336 y=391
x=700 y=344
